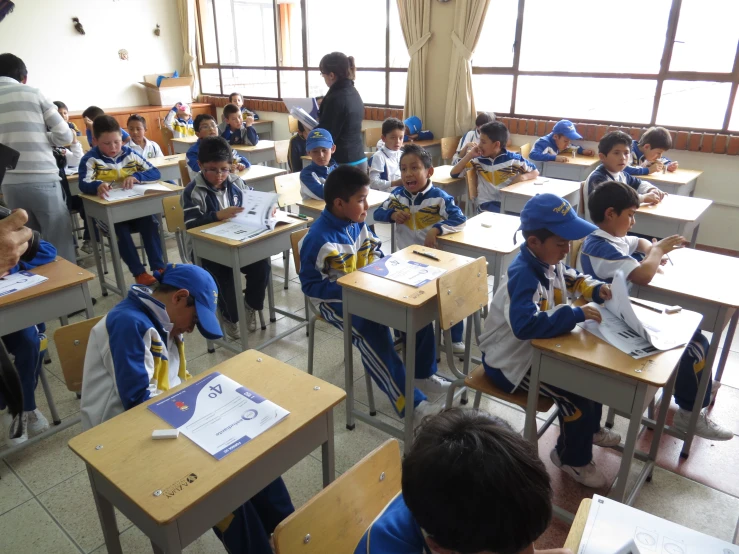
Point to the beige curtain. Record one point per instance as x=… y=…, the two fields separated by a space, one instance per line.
x=189 y=31
x=415 y=20
x=290 y=36
x=460 y=114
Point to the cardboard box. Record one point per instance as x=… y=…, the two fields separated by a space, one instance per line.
x=170 y=91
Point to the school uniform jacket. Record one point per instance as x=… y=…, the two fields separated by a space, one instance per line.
x=246 y=135
x=545 y=149
x=312 y=178
x=95 y=168
x=131 y=356
x=149 y=150
x=179 y=127
x=432 y=207
x=385 y=167
x=602 y=255
x=331 y=249
x=496 y=173
x=531 y=303
x=296 y=149
x=394 y=531
x=192 y=159
x=469 y=136
x=639 y=164
x=601 y=175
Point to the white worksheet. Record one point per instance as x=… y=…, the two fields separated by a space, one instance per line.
x=407 y=272
x=259 y=216
x=233 y=230
x=19 y=281
x=137 y=190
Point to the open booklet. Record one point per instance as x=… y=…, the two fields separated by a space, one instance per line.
x=407 y=272
x=637 y=336
x=259 y=216
x=119 y=193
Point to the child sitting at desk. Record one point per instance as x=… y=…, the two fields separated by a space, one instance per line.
x=471 y=138
x=554 y=146
x=89 y=116
x=470 y=484
x=205 y=126
x=238 y=100
x=608 y=250
x=24 y=345
x=63 y=110
x=297 y=149
x=496 y=167
x=531 y=303
x=421 y=212
x=137 y=352
x=100 y=168
x=384 y=168
x=647 y=153
x=319 y=145
x=238 y=130
x=338 y=243
x=179 y=120
x=413 y=130
x=72 y=153
x=216 y=195
x=139 y=143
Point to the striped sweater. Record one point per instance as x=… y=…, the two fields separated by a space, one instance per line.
x=25 y=115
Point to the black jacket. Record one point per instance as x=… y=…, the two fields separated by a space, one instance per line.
x=341 y=114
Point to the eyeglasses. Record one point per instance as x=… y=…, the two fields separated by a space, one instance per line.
x=217 y=171
x=211 y=126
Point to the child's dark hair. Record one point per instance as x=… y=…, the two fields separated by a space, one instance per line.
x=230 y=96
x=136 y=117
x=473 y=484
x=12 y=66
x=60 y=105
x=343 y=182
x=104 y=124
x=199 y=120
x=611 y=194
x=214 y=149
x=496 y=132
x=339 y=64
x=415 y=150
x=229 y=109
x=656 y=137
x=301 y=128
x=483 y=118
x=612 y=139
x=92 y=112
x=541 y=234
x=391 y=124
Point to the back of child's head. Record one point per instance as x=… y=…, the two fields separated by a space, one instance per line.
x=92 y=112
x=612 y=139
x=136 y=117
x=496 y=132
x=199 y=119
x=230 y=109
x=391 y=124
x=483 y=118
x=344 y=182
x=301 y=128
x=214 y=149
x=104 y=124
x=416 y=150
x=473 y=484
x=341 y=65
x=611 y=194
x=656 y=137
x=233 y=95
x=12 y=66
x=60 y=105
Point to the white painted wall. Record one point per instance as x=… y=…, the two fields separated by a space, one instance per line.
x=82 y=70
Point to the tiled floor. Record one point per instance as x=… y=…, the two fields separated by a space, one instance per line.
x=46 y=504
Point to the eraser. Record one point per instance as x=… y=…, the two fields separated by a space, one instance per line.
x=673 y=309
x=487 y=225
x=161 y=434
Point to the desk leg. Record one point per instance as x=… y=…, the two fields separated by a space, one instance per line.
x=529 y=426
x=89 y=310
x=327 y=451
x=496 y=271
x=161 y=238
x=271 y=292
x=664 y=407
x=348 y=365
x=694 y=236
x=106 y=513
x=727 y=346
x=240 y=306
x=96 y=254
x=618 y=492
x=115 y=255
x=171 y=539
x=410 y=374
x=392 y=237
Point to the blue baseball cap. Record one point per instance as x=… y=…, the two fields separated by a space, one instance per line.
x=566 y=128
x=202 y=288
x=549 y=211
x=414 y=124
x=318 y=138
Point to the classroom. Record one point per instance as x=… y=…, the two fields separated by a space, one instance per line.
x=502 y=210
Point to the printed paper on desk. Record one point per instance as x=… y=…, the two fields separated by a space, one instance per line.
x=258 y=209
x=218 y=414
x=235 y=231
x=407 y=272
x=19 y=281
x=71 y=171
x=137 y=190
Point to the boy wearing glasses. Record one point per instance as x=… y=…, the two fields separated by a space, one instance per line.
x=216 y=195
x=205 y=126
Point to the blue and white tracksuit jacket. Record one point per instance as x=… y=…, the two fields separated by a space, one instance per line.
x=312 y=179
x=333 y=248
x=384 y=167
x=394 y=531
x=545 y=149
x=639 y=164
x=469 y=136
x=601 y=175
x=192 y=159
x=179 y=127
x=246 y=135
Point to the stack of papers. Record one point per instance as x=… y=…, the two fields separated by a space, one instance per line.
x=137 y=190
x=258 y=217
x=407 y=272
x=19 y=281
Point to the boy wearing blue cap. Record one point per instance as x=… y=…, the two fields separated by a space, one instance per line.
x=551 y=147
x=319 y=145
x=137 y=352
x=414 y=130
x=530 y=303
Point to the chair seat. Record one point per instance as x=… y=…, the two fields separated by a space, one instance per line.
x=479 y=381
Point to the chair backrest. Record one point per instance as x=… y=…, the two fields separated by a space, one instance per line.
x=583 y=199
x=526 y=150
x=471 y=177
x=173 y=213
x=295 y=238
x=83 y=142
x=461 y=292
x=292 y=124
x=184 y=173
x=575 y=247
x=167 y=137
x=281 y=150
x=371 y=136
x=336 y=518
x=449 y=147
x=287 y=188
x=71 y=346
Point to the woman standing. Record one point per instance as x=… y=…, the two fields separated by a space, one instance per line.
x=342 y=109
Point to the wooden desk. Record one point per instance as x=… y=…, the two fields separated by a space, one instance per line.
x=514 y=197
x=432 y=146
x=675 y=215
x=182 y=144
x=442 y=178
x=578 y=525
x=168 y=166
x=235 y=254
x=494 y=242
x=695 y=283
x=263 y=152
x=264 y=128
x=173 y=490
x=111 y=213
x=575 y=169
x=681 y=181
x=261 y=177
x=404 y=308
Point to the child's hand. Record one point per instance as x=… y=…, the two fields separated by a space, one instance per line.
x=588 y=152
x=605 y=292
x=400 y=217
x=473 y=152
x=103 y=189
x=668 y=244
x=652 y=197
x=467 y=147
x=430 y=241
x=672 y=166
x=591 y=313
x=654 y=167
x=562 y=159
x=129 y=182
x=228 y=213
x=249 y=120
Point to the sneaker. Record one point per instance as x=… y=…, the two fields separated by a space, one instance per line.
x=423 y=410
x=145 y=279
x=9 y=424
x=458 y=348
x=588 y=475
x=433 y=385
x=705 y=427
x=251 y=319
x=86 y=247
x=37 y=423
x=231 y=328
x=606 y=438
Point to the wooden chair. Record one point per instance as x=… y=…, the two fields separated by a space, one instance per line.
x=292 y=124
x=167 y=137
x=583 y=199
x=287 y=188
x=281 y=153
x=175 y=218
x=71 y=346
x=337 y=517
x=310 y=310
x=471 y=205
x=184 y=173
x=461 y=294
x=575 y=247
x=449 y=148
x=526 y=150
x=371 y=136
x=84 y=143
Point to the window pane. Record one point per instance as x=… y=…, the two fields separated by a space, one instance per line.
x=623 y=100
x=226 y=39
x=292 y=84
x=354 y=27
x=398 y=50
x=706 y=38
x=210 y=82
x=254 y=31
x=679 y=99
x=371 y=86
x=398 y=82
x=495 y=47
x=291 y=33
x=316 y=85
x=632 y=47
x=492 y=92
x=250 y=82
x=208 y=31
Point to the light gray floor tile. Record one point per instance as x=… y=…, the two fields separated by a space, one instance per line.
x=12 y=491
x=28 y=529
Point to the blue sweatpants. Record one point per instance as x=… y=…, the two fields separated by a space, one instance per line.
x=489 y=207
x=248 y=528
x=24 y=345
x=148 y=227
x=689 y=373
x=379 y=357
